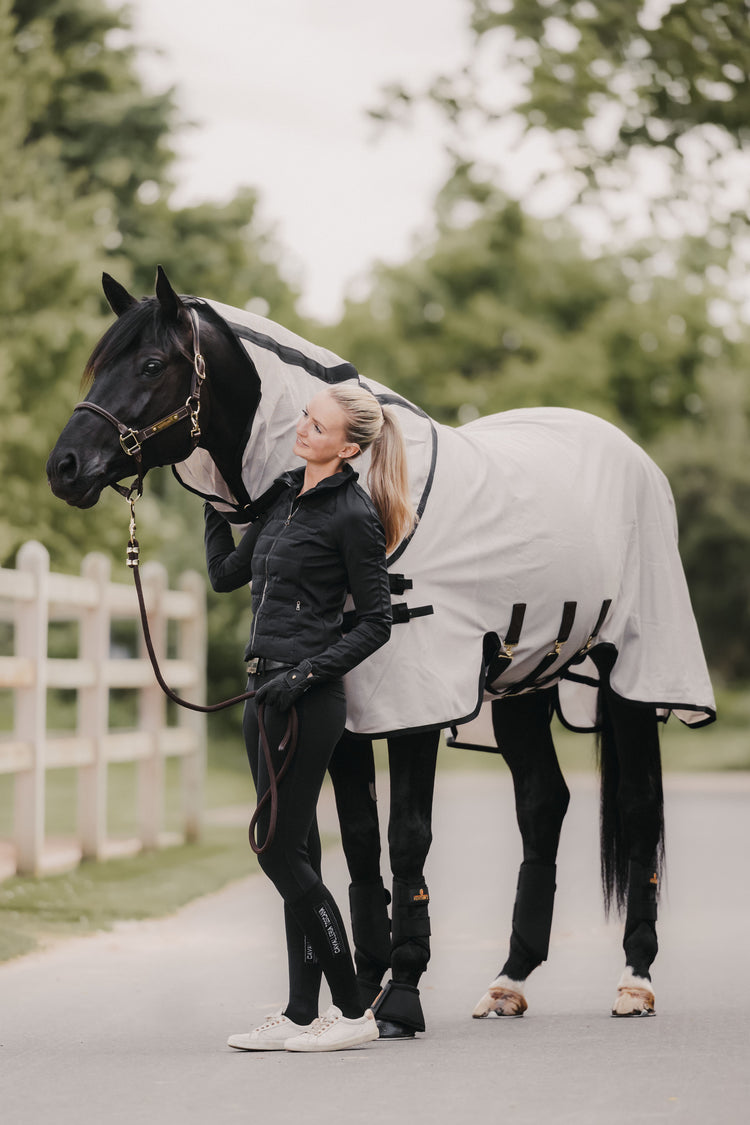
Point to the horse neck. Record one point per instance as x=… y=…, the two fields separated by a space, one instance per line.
x=233 y=391
x=262 y=436
x=258 y=389
x=268 y=453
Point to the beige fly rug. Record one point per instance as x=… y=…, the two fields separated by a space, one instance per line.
x=542 y=534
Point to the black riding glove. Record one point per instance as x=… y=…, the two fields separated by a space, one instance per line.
x=283 y=691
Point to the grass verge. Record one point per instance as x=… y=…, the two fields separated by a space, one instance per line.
x=34 y=912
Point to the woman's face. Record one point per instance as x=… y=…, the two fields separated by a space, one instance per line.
x=321 y=434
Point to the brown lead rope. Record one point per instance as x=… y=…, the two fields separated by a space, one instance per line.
x=288 y=742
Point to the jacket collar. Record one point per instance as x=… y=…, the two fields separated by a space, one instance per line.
x=294 y=478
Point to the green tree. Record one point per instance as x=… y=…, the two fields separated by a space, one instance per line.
x=86 y=187
x=113 y=137
x=502 y=310
x=114 y=143
x=628 y=95
x=663 y=71
x=216 y=250
x=709 y=472
x=609 y=81
x=51 y=250
x=81 y=139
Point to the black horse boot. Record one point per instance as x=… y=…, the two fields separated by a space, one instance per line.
x=398 y=1009
x=371 y=930
x=635 y=995
x=532 y=920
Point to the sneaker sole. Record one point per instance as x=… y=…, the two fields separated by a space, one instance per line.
x=319 y=1048
x=279 y=1046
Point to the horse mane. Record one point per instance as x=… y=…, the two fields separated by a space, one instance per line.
x=145 y=317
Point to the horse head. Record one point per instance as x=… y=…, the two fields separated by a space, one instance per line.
x=142 y=377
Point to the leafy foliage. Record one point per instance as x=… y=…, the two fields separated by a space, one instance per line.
x=82 y=139
x=501 y=310
x=505 y=311
x=86 y=187
x=51 y=251
x=112 y=136
x=709 y=472
x=662 y=69
x=633 y=114
x=647 y=107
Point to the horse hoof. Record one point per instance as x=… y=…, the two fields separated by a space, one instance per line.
x=390 y=1030
x=633 y=1001
x=500 y=1001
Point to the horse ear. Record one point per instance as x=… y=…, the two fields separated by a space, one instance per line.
x=168 y=299
x=117 y=295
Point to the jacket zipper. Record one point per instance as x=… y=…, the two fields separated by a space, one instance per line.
x=285 y=525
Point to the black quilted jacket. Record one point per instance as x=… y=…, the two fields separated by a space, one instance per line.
x=302 y=557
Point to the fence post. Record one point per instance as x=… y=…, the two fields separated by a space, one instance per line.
x=192 y=648
x=31 y=711
x=93 y=711
x=153 y=713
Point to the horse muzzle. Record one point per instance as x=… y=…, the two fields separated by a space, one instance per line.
x=79 y=480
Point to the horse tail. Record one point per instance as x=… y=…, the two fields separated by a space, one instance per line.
x=615 y=849
x=612 y=850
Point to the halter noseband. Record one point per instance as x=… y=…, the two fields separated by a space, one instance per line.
x=131 y=440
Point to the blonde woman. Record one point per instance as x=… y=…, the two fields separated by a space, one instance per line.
x=322 y=537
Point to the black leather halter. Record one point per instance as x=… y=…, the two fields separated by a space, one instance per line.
x=131 y=440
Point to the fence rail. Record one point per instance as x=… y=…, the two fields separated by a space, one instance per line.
x=31 y=598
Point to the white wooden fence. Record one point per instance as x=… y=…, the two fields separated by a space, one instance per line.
x=30 y=599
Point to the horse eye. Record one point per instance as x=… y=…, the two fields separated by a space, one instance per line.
x=153 y=367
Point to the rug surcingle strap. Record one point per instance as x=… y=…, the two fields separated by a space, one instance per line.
x=403 y=614
x=498 y=654
x=566 y=624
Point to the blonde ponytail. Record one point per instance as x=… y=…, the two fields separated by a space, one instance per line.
x=388 y=480
x=373 y=427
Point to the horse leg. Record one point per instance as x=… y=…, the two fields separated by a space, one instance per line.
x=412 y=759
x=522 y=731
x=632 y=839
x=352 y=770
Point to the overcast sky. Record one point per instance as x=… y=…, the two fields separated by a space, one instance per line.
x=278 y=90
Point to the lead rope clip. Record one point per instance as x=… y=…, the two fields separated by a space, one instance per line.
x=132 y=556
x=288 y=742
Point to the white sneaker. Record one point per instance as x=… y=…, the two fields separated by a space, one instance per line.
x=334 y=1032
x=270 y=1036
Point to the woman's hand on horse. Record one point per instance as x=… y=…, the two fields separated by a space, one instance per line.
x=283 y=691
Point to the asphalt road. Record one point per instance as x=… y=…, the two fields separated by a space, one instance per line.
x=130 y=1026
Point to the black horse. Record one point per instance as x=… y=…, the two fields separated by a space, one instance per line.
x=159 y=396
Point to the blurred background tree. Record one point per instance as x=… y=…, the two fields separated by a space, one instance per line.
x=86 y=187
x=614 y=285
x=635 y=304
x=652 y=95
x=502 y=310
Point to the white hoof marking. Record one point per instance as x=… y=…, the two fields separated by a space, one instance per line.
x=633 y=1001
x=503 y=998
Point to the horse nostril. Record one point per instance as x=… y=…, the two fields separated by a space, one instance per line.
x=67 y=467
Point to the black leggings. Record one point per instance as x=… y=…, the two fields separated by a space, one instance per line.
x=316 y=937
